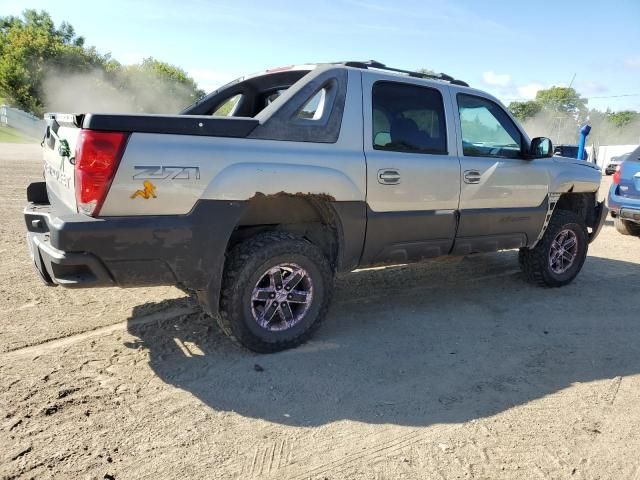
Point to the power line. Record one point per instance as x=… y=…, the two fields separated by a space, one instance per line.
x=616 y=96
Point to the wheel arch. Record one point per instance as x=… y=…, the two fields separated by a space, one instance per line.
x=582 y=203
x=316 y=217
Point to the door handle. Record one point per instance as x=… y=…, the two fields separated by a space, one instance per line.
x=388 y=176
x=472 y=176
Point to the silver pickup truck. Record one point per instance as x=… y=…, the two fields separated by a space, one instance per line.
x=254 y=197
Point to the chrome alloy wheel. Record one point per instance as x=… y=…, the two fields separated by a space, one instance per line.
x=281 y=297
x=563 y=252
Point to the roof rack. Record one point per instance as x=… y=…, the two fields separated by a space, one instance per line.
x=381 y=66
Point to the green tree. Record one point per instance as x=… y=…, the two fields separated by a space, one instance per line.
x=562 y=100
x=31 y=45
x=525 y=110
x=41 y=63
x=623 y=118
x=163 y=77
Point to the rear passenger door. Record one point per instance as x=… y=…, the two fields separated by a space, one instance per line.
x=413 y=172
x=503 y=197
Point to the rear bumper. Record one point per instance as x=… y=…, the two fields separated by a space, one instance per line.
x=623 y=207
x=56 y=267
x=74 y=250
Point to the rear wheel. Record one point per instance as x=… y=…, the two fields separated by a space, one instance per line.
x=558 y=257
x=276 y=292
x=626 y=227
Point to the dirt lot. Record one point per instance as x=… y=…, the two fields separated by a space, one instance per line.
x=456 y=368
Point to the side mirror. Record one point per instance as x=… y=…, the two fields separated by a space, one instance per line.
x=541 y=147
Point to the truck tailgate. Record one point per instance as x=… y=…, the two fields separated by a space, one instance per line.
x=58 y=153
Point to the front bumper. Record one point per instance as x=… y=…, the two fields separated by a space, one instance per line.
x=74 y=250
x=623 y=207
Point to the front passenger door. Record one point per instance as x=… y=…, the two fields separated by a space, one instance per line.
x=503 y=197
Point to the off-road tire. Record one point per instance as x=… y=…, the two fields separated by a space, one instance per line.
x=626 y=227
x=245 y=264
x=535 y=262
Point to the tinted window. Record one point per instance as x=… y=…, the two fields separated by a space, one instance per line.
x=487 y=131
x=408 y=118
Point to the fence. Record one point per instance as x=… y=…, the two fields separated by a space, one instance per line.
x=24 y=122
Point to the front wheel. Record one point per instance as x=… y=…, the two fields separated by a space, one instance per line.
x=558 y=257
x=276 y=291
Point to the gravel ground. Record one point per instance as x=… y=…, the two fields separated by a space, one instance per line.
x=454 y=368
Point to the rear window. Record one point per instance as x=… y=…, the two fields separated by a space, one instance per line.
x=228 y=107
x=246 y=97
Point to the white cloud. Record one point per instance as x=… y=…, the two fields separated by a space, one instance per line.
x=632 y=62
x=529 y=91
x=496 y=79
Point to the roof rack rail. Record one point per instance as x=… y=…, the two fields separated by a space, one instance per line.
x=381 y=66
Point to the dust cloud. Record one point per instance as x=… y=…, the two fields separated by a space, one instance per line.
x=120 y=92
x=564 y=129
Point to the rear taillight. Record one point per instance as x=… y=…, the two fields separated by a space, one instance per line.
x=616 y=176
x=97 y=157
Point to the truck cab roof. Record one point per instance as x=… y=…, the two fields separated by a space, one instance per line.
x=250 y=94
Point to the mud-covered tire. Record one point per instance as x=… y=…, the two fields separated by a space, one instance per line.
x=626 y=227
x=536 y=262
x=246 y=264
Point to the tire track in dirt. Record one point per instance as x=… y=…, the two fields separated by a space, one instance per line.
x=60 y=342
x=333 y=459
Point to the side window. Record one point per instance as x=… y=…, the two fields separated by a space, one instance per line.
x=314 y=108
x=487 y=131
x=227 y=108
x=408 y=118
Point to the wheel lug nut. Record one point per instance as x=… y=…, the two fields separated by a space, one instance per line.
x=289 y=297
x=275 y=304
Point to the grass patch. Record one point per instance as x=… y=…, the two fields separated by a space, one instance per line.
x=11 y=135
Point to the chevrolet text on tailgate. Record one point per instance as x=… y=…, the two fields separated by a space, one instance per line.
x=253 y=198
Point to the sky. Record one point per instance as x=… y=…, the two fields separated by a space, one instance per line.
x=509 y=48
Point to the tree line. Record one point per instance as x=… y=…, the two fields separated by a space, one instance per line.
x=36 y=56
x=561 y=110
x=44 y=66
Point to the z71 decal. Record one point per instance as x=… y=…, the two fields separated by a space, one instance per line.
x=164 y=173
